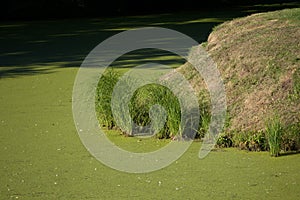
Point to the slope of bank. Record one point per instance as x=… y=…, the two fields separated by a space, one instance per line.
x=259 y=59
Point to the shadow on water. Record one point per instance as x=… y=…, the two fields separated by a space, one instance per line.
x=22 y=71
x=28 y=48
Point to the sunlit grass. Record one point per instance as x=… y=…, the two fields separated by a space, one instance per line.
x=274 y=132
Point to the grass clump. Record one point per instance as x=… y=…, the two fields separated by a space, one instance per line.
x=140 y=106
x=142 y=101
x=274 y=133
x=103 y=97
x=152 y=94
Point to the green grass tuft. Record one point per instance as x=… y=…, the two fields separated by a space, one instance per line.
x=274 y=132
x=149 y=95
x=103 y=97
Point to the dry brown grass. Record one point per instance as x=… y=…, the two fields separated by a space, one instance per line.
x=257 y=57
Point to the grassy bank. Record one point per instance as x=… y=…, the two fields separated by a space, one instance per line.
x=258 y=58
